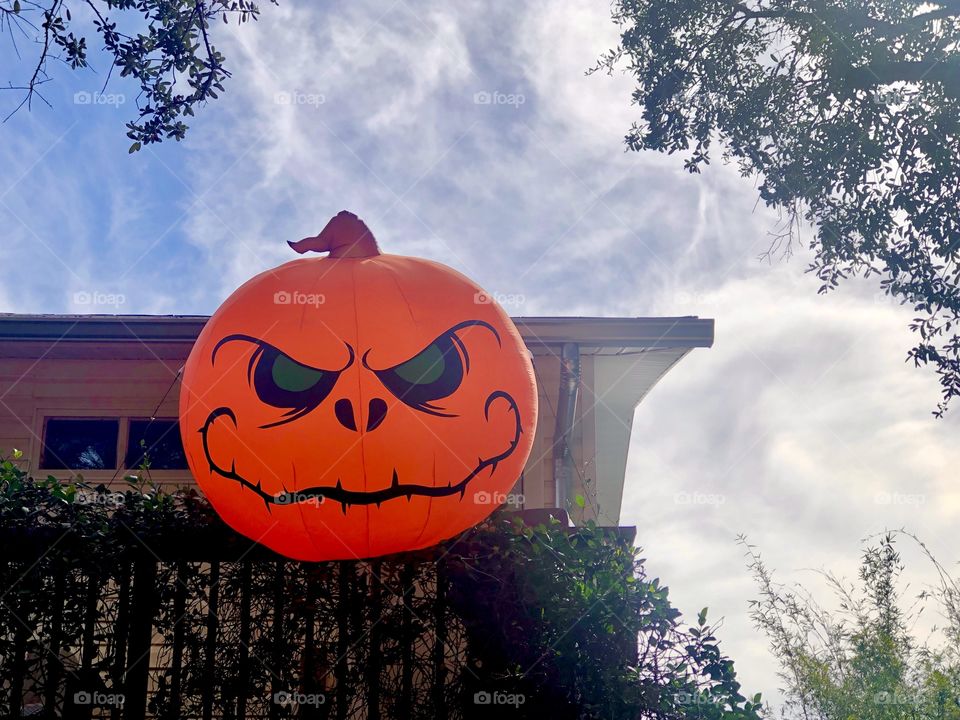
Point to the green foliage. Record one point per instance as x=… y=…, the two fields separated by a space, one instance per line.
x=570 y=607
x=165 y=46
x=848 y=113
x=863 y=660
x=566 y=618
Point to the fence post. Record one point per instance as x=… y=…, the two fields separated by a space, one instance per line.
x=87 y=677
x=440 y=643
x=406 y=643
x=373 y=655
x=211 y=646
x=120 y=635
x=54 y=663
x=343 y=636
x=141 y=638
x=244 y=649
x=279 y=648
x=19 y=665
x=309 y=681
x=176 y=660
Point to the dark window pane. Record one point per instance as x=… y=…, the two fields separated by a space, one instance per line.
x=161 y=442
x=80 y=444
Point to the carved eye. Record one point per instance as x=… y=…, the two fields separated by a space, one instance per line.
x=282 y=382
x=432 y=374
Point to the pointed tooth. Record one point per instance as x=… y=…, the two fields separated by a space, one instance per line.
x=343 y=507
x=396 y=479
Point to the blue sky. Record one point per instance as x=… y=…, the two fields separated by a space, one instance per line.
x=803 y=423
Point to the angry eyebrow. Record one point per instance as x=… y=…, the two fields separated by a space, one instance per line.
x=264 y=344
x=450 y=332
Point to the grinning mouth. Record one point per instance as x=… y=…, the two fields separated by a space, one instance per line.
x=337 y=493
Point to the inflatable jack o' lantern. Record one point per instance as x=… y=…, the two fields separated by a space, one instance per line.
x=358 y=404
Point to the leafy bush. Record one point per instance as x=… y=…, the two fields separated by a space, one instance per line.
x=565 y=619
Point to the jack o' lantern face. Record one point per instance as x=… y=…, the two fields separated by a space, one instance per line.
x=350 y=407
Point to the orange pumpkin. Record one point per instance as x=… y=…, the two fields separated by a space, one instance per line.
x=358 y=404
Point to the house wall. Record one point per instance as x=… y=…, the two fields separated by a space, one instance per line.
x=139 y=380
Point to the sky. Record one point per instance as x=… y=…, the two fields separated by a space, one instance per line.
x=470 y=133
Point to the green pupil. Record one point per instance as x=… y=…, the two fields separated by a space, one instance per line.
x=291 y=376
x=425 y=368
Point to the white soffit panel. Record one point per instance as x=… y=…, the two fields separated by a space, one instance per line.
x=620 y=382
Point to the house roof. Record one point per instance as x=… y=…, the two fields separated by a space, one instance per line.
x=593 y=334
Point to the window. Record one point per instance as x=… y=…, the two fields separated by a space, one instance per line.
x=80 y=444
x=161 y=441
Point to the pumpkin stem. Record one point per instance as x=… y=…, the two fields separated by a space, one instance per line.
x=345 y=236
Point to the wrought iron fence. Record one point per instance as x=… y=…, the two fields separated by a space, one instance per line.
x=248 y=637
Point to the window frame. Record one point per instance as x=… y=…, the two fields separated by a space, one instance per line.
x=43 y=435
x=146 y=418
x=43 y=412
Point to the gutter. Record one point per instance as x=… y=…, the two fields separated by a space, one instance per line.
x=566 y=418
